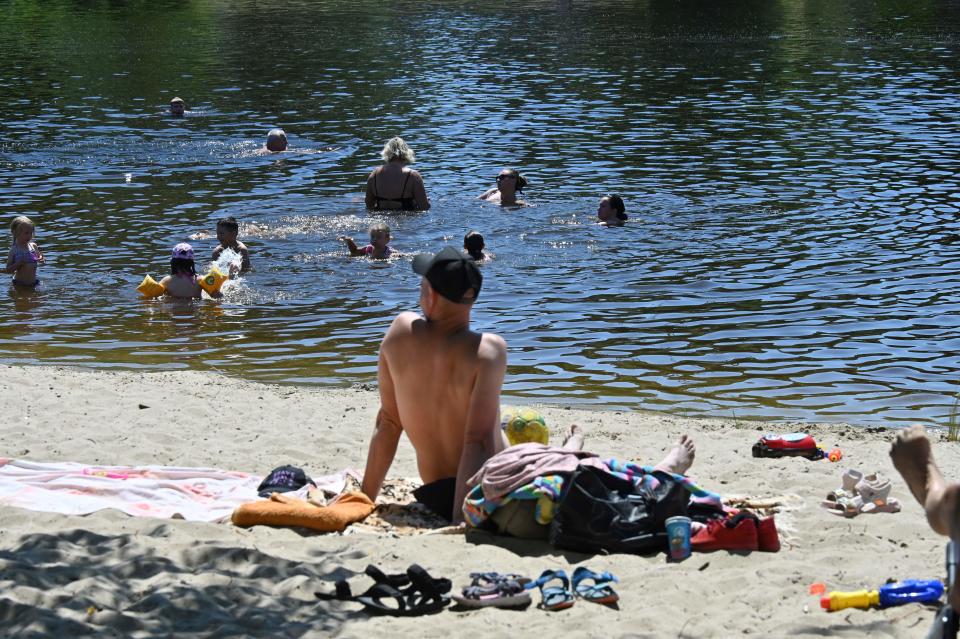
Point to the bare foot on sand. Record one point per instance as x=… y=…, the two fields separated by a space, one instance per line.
x=680 y=458
x=574 y=440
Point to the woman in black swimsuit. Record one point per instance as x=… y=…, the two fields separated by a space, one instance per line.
x=394 y=186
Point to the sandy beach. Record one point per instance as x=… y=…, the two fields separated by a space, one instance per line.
x=110 y=574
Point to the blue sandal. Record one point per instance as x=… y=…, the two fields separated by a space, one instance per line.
x=600 y=591
x=554 y=597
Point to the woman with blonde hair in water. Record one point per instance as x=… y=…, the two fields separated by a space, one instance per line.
x=395 y=186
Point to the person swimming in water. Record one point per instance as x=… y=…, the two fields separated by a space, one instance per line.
x=611 y=211
x=183 y=281
x=395 y=186
x=473 y=246
x=276 y=141
x=378 y=248
x=177 y=107
x=509 y=183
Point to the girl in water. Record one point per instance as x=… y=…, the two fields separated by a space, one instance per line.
x=182 y=281
x=611 y=211
x=378 y=248
x=25 y=256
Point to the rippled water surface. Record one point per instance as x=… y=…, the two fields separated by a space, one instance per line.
x=790 y=171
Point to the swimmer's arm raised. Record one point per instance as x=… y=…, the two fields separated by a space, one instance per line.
x=482 y=437
x=486 y=194
x=352 y=247
x=386 y=432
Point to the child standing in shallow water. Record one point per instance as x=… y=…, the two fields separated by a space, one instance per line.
x=182 y=281
x=25 y=256
x=227 y=230
x=378 y=248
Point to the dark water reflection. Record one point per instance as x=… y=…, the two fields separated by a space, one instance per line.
x=790 y=169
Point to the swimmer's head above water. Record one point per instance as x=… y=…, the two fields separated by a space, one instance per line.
x=508 y=178
x=473 y=244
x=397 y=149
x=611 y=211
x=177 y=107
x=181 y=260
x=276 y=141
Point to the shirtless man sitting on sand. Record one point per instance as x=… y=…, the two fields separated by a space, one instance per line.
x=440 y=384
x=913 y=458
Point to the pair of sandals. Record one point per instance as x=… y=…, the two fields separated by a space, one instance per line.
x=861 y=493
x=491 y=589
x=587 y=585
x=411 y=594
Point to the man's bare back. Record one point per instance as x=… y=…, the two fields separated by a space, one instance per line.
x=434 y=379
x=440 y=384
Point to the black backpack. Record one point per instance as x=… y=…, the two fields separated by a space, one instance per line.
x=599 y=512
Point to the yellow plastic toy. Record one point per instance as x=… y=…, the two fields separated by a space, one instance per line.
x=856 y=599
x=150 y=287
x=212 y=281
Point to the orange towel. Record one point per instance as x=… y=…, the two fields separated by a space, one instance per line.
x=288 y=511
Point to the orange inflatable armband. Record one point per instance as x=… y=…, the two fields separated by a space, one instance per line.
x=212 y=281
x=150 y=287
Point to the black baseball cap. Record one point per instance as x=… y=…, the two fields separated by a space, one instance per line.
x=450 y=273
x=283 y=479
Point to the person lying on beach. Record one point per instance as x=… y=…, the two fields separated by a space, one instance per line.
x=24 y=256
x=509 y=183
x=182 y=281
x=377 y=249
x=177 y=107
x=913 y=459
x=440 y=384
x=394 y=185
x=611 y=211
x=227 y=231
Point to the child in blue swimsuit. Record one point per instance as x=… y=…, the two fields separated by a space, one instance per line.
x=25 y=256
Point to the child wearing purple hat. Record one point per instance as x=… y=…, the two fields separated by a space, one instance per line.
x=182 y=281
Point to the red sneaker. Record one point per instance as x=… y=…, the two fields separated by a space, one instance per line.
x=768 y=540
x=730 y=534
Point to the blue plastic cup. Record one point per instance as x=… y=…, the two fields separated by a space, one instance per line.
x=678 y=537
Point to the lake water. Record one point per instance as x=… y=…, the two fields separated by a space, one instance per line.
x=790 y=171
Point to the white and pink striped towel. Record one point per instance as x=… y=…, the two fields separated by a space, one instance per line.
x=194 y=494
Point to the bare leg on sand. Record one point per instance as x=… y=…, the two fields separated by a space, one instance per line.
x=680 y=458
x=913 y=458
